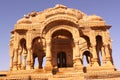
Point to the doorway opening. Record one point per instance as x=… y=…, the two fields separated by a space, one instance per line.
x=62 y=47
x=61 y=59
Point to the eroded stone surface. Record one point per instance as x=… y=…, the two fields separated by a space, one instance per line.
x=67 y=38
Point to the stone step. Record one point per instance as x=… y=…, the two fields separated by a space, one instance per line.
x=70 y=78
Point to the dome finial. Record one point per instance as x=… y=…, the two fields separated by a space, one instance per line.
x=60 y=6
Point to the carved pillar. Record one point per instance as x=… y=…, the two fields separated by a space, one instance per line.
x=11 y=50
x=103 y=55
x=106 y=45
x=19 y=59
x=11 y=62
x=24 y=56
x=94 y=60
x=108 y=55
x=28 y=59
x=48 y=66
x=104 y=38
x=32 y=61
x=15 y=50
x=11 y=56
x=77 y=61
x=15 y=60
x=29 y=50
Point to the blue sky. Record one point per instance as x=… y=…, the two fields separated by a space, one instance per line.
x=12 y=10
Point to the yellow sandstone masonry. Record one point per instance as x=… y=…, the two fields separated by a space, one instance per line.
x=67 y=38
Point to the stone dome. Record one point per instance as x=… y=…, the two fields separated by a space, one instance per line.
x=24 y=20
x=94 y=18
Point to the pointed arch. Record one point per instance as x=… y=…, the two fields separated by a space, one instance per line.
x=22 y=43
x=59 y=20
x=61 y=40
x=87 y=40
x=87 y=56
x=37 y=51
x=22 y=54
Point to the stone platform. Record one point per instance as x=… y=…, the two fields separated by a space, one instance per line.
x=61 y=74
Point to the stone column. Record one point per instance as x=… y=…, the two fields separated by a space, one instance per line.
x=94 y=60
x=103 y=55
x=77 y=61
x=29 y=49
x=11 y=63
x=48 y=66
x=108 y=55
x=19 y=59
x=15 y=50
x=11 y=50
x=15 y=60
x=106 y=45
x=32 y=61
x=28 y=59
x=11 y=57
x=24 y=56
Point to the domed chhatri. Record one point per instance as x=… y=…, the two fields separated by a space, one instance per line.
x=95 y=18
x=24 y=21
x=64 y=37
